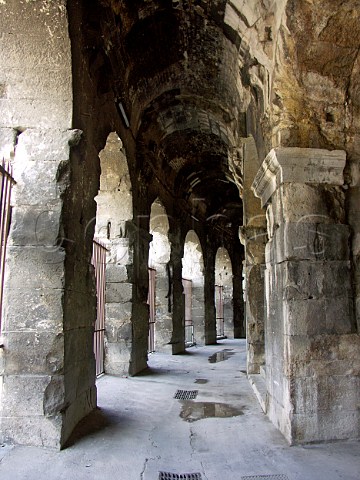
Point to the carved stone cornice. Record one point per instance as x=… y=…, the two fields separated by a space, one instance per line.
x=298 y=165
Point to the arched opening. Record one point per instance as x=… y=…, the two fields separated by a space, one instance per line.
x=224 y=294
x=193 y=288
x=160 y=319
x=114 y=210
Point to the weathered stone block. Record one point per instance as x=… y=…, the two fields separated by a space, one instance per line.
x=46 y=145
x=78 y=345
x=36 y=183
x=37 y=226
x=37 y=112
x=307 y=280
x=33 y=353
x=339 y=314
x=29 y=389
x=32 y=430
x=118 y=292
x=117 y=359
x=7 y=141
x=41 y=307
x=116 y=273
x=35 y=267
x=79 y=378
x=323 y=426
x=305 y=317
x=308 y=241
x=117 y=315
x=74 y=412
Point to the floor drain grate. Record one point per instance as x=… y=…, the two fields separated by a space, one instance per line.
x=265 y=477
x=185 y=395
x=179 y=476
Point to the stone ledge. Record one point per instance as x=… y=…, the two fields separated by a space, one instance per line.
x=298 y=165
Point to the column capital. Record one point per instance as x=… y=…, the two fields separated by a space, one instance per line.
x=298 y=165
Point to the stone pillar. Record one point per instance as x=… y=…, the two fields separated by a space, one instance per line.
x=253 y=236
x=238 y=302
x=209 y=293
x=178 y=299
x=198 y=310
x=159 y=258
x=140 y=239
x=47 y=373
x=163 y=314
x=114 y=209
x=312 y=355
x=118 y=306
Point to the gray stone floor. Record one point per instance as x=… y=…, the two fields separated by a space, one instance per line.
x=140 y=430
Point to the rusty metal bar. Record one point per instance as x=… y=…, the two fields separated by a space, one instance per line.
x=152 y=307
x=7 y=182
x=189 y=325
x=219 y=305
x=99 y=262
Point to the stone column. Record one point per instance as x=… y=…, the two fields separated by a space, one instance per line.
x=253 y=236
x=198 y=311
x=47 y=375
x=140 y=239
x=209 y=294
x=312 y=356
x=114 y=209
x=238 y=301
x=178 y=299
x=118 y=306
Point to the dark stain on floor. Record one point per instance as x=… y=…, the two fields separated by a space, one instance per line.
x=193 y=411
x=221 y=356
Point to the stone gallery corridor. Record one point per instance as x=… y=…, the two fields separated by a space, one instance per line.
x=141 y=432
x=176 y=175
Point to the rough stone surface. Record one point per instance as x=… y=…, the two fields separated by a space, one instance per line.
x=199 y=93
x=309 y=306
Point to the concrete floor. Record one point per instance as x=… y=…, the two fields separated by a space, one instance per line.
x=141 y=430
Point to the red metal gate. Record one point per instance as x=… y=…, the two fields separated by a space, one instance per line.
x=151 y=303
x=189 y=326
x=99 y=262
x=219 y=306
x=7 y=182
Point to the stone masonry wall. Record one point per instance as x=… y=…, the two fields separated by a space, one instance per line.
x=312 y=364
x=114 y=209
x=36 y=105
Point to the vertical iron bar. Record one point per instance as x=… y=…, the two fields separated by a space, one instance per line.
x=99 y=263
x=5 y=198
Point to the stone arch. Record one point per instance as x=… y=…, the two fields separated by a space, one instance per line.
x=193 y=270
x=224 y=288
x=159 y=258
x=114 y=210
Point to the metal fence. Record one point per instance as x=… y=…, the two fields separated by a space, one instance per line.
x=7 y=181
x=189 y=325
x=219 y=305
x=152 y=311
x=99 y=263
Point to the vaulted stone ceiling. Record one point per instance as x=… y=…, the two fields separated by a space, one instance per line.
x=195 y=76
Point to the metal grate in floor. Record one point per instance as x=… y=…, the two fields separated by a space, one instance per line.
x=179 y=476
x=186 y=394
x=266 y=477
